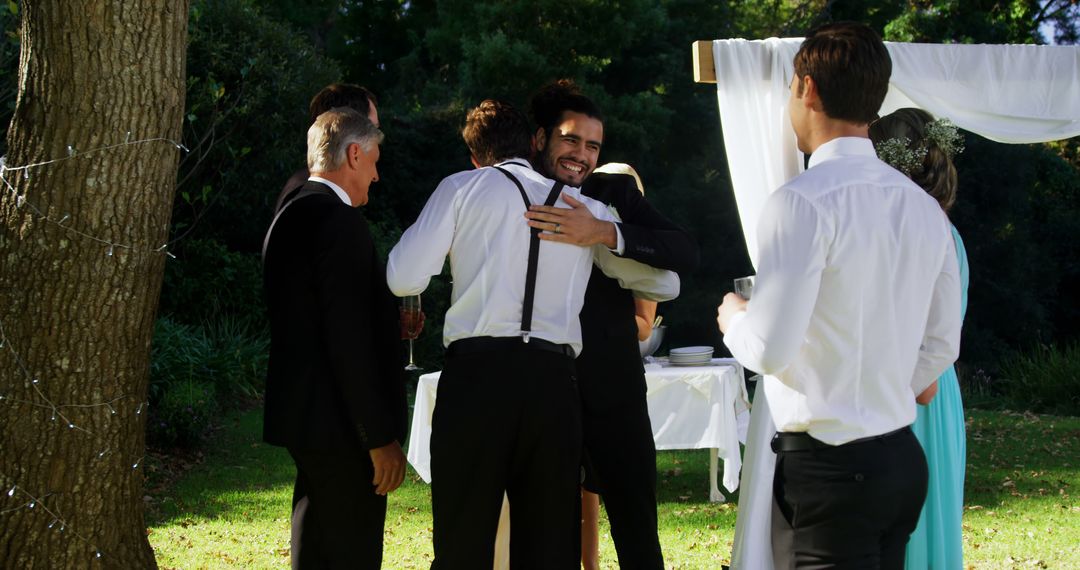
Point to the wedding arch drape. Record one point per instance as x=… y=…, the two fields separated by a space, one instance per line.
x=1006 y=93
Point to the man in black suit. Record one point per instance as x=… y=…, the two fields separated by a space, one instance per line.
x=619 y=447
x=335 y=393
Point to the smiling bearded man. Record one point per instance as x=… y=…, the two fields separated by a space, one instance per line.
x=619 y=449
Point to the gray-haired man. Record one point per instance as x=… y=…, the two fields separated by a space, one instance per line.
x=335 y=394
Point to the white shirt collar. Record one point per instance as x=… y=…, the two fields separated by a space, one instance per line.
x=517 y=162
x=337 y=189
x=842 y=146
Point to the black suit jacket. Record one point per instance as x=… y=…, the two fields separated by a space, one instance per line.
x=609 y=332
x=335 y=379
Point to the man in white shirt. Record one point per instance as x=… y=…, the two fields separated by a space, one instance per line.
x=856 y=311
x=508 y=412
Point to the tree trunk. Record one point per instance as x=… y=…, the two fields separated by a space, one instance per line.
x=80 y=274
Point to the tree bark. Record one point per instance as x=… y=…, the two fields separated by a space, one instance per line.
x=80 y=274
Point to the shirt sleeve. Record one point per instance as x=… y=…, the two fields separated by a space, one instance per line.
x=646 y=282
x=941 y=341
x=422 y=249
x=792 y=238
x=620 y=243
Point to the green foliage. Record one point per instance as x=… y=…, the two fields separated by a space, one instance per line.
x=983 y=21
x=1045 y=379
x=1017 y=209
x=193 y=369
x=9 y=59
x=183 y=415
x=254 y=65
x=207 y=281
x=249 y=82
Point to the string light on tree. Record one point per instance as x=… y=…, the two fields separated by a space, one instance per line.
x=21 y=201
x=58 y=413
x=55 y=517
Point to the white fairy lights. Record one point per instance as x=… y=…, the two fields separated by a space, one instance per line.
x=56 y=519
x=21 y=202
x=60 y=414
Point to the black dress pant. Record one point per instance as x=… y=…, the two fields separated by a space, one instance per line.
x=621 y=454
x=343 y=523
x=851 y=506
x=507 y=420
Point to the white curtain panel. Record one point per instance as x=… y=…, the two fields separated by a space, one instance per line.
x=1007 y=93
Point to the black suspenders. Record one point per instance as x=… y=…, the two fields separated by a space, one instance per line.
x=534 y=253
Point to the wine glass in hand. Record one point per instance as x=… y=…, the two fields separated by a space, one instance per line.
x=411 y=319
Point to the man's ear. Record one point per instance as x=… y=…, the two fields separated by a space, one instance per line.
x=352 y=154
x=475 y=163
x=539 y=140
x=811 y=97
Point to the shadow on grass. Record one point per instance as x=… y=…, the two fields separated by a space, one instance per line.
x=1014 y=457
x=241 y=476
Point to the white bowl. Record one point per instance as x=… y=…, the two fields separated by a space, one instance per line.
x=649 y=345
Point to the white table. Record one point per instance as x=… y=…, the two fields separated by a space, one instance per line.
x=697 y=407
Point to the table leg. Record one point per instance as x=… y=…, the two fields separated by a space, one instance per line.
x=715 y=496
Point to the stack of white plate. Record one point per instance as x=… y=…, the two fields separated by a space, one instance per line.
x=691 y=356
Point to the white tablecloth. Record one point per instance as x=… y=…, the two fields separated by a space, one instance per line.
x=690 y=408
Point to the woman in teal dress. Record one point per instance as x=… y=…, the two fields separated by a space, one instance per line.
x=914 y=143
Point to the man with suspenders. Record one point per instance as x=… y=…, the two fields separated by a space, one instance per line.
x=508 y=412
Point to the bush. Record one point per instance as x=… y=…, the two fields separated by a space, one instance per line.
x=238 y=357
x=249 y=81
x=207 y=282
x=194 y=369
x=183 y=414
x=1044 y=380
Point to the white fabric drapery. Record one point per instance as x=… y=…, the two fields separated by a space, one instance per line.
x=1006 y=93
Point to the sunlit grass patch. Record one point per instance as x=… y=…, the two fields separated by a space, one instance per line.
x=1021 y=504
x=232 y=510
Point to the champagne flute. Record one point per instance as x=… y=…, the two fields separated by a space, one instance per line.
x=744 y=287
x=410 y=325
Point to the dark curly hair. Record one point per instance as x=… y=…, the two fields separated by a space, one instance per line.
x=548 y=104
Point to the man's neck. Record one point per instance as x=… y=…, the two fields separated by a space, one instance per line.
x=827 y=129
x=337 y=178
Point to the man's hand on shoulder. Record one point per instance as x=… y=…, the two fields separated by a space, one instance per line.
x=389 y=462
x=576 y=225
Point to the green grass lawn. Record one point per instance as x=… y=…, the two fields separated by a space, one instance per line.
x=231 y=511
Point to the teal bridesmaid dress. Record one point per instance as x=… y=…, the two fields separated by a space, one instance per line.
x=936 y=543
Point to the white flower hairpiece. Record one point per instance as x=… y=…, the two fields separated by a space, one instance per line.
x=897 y=151
x=946 y=136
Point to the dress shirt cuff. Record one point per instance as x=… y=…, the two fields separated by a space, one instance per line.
x=736 y=344
x=620 y=243
x=734 y=322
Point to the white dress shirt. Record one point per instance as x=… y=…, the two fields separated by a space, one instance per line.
x=337 y=189
x=478 y=217
x=856 y=305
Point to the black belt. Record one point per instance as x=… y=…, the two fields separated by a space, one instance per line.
x=490 y=344
x=787 y=441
